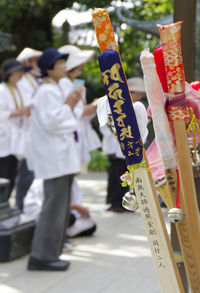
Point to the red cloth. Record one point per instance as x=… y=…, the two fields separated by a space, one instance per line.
x=195 y=85
x=160 y=67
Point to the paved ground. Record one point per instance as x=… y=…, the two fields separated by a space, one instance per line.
x=116 y=259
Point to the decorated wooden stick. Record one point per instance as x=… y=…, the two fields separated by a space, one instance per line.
x=132 y=147
x=171 y=41
x=162 y=129
x=104 y=31
x=155 y=97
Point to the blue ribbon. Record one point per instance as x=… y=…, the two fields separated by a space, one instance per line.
x=121 y=106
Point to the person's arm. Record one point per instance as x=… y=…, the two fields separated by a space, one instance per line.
x=25 y=111
x=74 y=97
x=54 y=115
x=82 y=210
x=90 y=109
x=142 y=119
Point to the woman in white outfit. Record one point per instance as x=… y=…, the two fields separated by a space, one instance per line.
x=53 y=157
x=87 y=138
x=14 y=110
x=28 y=85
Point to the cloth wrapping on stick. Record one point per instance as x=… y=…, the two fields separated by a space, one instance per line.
x=163 y=135
x=121 y=106
x=171 y=42
x=103 y=111
x=104 y=31
x=190 y=232
x=145 y=191
x=156 y=101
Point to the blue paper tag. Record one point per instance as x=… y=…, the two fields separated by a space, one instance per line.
x=121 y=106
x=78 y=82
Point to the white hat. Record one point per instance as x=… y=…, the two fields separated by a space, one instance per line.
x=28 y=53
x=76 y=55
x=136 y=84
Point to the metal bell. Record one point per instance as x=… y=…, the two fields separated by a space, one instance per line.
x=176 y=215
x=196 y=161
x=129 y=201
x=190 y=143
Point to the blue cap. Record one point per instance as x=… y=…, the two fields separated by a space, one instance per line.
x=48 y=58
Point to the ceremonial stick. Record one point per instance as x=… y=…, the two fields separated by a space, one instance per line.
x=171 y=42
x=164 y=137
x=131 y=145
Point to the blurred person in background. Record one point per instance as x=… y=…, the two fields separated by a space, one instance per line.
x=14 y=123
x=110 y=146
x=30 y=80
x=27 y=85
x=87 y=138
x=53 y=157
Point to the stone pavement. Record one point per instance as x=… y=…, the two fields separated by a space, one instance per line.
x=117 y=259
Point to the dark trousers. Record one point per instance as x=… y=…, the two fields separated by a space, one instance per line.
x=23 y=182
x=8 y=170
x=115 y=191
x=54 y=218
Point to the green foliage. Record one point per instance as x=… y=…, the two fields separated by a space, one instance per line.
x=131 y=42
x=30 y=23
x=92 y=76
x=153 y=9
x=99 y=161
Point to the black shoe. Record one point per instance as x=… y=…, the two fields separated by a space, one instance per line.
x=88 y=232
x=116 y=209
x=35 y=264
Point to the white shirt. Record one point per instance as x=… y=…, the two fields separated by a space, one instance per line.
x=52 y=149
x=110 y=144
x=12 y=130
x=28 y=84
x=87 y=137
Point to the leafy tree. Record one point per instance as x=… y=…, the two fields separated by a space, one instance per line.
x=131 y=42
x=29 y=21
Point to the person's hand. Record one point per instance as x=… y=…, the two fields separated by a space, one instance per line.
x=26 y=111
x=81 y=209
x=74 y=97
x=91 y=108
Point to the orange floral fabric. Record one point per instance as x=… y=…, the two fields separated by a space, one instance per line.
x=104 y=31
x=171 y=40
x=178 y=113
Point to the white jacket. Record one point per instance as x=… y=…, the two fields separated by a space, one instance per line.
x=12 y=130
x=110 y=144
x=28 y=84
x=52 y=149
x=88 y=139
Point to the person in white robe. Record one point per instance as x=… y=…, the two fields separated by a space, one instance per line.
x=110 y=144
x=87 y=138
x=28 y=84
x=53 y=157
x=30 y=80
x=14 y=113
